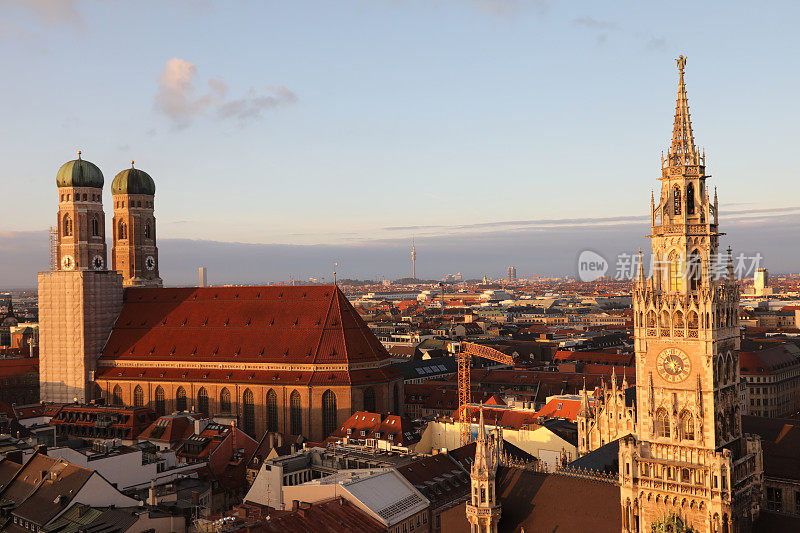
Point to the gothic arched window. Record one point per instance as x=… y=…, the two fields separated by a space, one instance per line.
x=147 y=230
x=694 y=270
x=225 y=401
x=676 y=272
x=122 y=232
x=687 y=426
x=272 y=410
x=329 y=421
x=664 y=325
x=180 y=399
x=95 y=227
x=248 y=412
x=67 y=223
x=369 y=400
x=202 y=401
x=161 y=401
x=295 y=413
x=690 y=199
x=651 y=319
x=138 y=396
x=676 y=204
x=678 y=320
x=692 y=320
x=116 y=397
x=662 y=423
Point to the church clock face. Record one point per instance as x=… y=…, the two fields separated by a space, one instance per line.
x=673 y=365
x=67 y=262
x=97 y=262
x=150 y=262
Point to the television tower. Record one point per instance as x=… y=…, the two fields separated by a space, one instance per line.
x=413 y=260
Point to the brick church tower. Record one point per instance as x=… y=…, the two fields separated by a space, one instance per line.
x=81 y=220
x=79 y=302
x=134 y=254
x=688 y=461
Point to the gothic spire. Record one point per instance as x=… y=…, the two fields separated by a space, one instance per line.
x=481 y=426
x=584 y=409
x=482 y=453
x=683 y=150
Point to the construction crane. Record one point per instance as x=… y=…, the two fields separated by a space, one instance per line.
x=464 y=352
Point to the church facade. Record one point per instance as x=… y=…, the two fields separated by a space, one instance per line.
x=298 y=360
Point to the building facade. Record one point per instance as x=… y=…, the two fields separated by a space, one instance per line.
x=611 y=416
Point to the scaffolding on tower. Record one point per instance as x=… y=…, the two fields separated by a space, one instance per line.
x=53 y=248
x=464 y=352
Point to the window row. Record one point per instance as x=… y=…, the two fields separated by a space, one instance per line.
x=248 y=419
x=137 y=203
x=81 y=197
x=67 y=226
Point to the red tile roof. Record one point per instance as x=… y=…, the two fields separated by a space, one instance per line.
x=326 y=516
x=172 y=429
x=560 y=408
x=766 y=361
x=374 y=424
x=18 y=366
x=276 y=324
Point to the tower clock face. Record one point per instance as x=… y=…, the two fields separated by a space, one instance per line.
x=67 y=262
x=673 y=365
x=97 y=262
x=150 y=262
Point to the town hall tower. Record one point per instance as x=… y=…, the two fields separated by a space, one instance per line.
x=688 y=460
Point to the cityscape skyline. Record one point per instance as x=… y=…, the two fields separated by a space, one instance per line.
x=532 y=251
x=221 y=136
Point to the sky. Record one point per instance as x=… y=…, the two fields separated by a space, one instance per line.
x=284 y=136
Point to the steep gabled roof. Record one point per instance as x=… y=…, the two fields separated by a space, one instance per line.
x=311 y=325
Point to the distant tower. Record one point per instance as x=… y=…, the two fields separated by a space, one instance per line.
x=512 y=274
x=483 y=510
x=413 y=260
x=134 y=254
x=80 y=299
x=761 y=283
x=203 y=275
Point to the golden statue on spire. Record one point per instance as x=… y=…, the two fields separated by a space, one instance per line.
x=681 y=63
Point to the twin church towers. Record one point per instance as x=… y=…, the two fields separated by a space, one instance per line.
x=80 y=299
x=82 y=228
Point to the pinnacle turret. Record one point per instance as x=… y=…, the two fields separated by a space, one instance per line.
x=683 y=150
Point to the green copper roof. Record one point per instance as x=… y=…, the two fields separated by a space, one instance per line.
x=79 y=173
x=133 y=181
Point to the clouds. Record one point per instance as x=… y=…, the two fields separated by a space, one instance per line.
x=179 y=101
x=50 y=12
x=26 y=21
x=253 y=104
x=604 y=28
